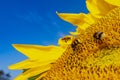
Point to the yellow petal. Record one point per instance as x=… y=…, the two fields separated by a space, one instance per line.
x=74 y=33
x=77 y=19
x=33 y=72
x=43 y=53
x=98 y=8
x=26 y=64
x=113 y=2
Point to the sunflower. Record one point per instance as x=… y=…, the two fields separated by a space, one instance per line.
x=90 y=53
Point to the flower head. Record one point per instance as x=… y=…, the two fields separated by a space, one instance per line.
x=93 y=55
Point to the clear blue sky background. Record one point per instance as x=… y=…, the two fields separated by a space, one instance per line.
x=32 y=22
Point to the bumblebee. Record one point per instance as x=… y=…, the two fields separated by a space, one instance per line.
x=75 y=42
x=98 y=35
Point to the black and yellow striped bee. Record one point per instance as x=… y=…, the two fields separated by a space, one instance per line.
x=99 y=35
x=75 y=42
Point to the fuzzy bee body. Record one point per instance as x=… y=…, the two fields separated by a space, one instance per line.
x=75 y=42
x=98 y=35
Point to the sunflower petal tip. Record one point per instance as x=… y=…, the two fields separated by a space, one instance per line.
x=57 y=12
x=11 y=67
x=14 y=45
x=74 y=33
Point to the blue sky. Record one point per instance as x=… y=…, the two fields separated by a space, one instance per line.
x=32 y=22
